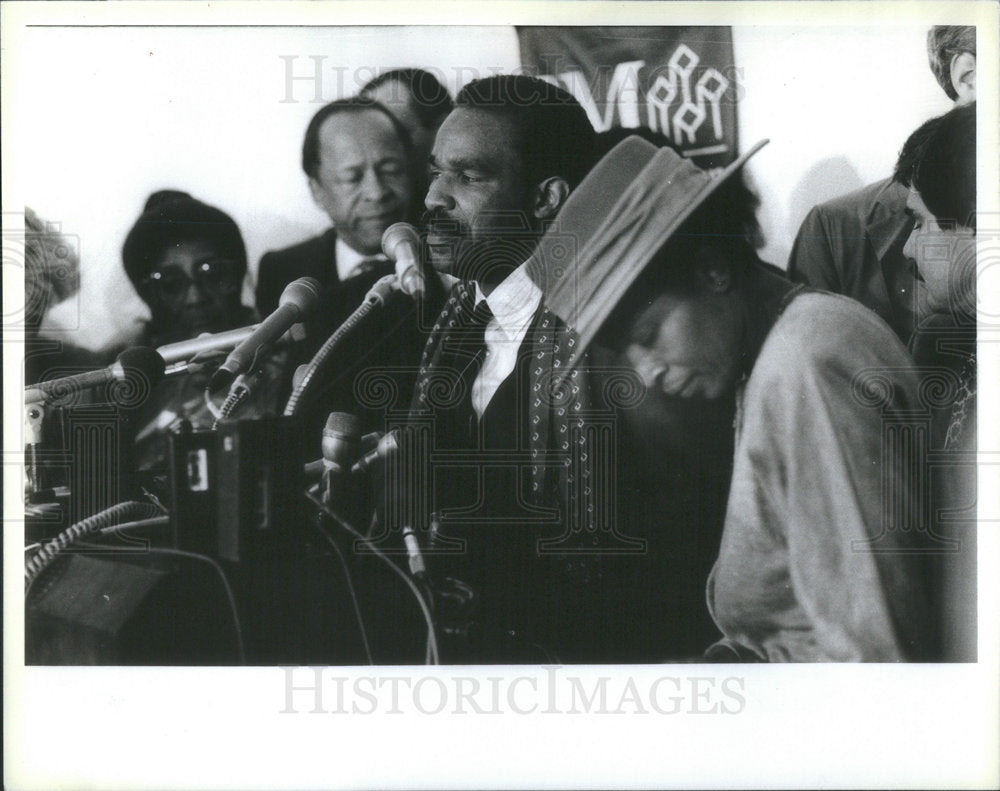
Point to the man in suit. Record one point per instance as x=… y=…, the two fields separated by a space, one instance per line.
x=356 y=156
x=853 y=244
x=505 y=489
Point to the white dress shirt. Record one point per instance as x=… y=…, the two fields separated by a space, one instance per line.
x=349 y=259
x=513 y=304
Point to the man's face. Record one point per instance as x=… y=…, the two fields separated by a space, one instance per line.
x=686 y=345
x=398 y=99
x=363 y=182
x=945 y=256
x=193 y=288
x=477 y=202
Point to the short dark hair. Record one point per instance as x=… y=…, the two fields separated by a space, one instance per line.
x=911 y=151
x=172 y=217
x=555 y=135
x=353 y=104
x=431 y=99
x=945 y=171
x=944 y=43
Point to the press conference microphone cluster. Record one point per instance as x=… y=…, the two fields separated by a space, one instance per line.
x=140 y=364
x=297 y=301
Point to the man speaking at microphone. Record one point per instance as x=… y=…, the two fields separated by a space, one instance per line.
x=503 y=164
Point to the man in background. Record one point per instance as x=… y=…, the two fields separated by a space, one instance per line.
x=853 y=244
x=942 y=199
x=356 y=157
x=420 y=102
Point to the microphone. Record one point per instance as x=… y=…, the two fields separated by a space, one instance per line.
x=340 y=447
x=386 y=445
x=206 y=342
x=401 y=243
x=297 y=301
x=140 y=363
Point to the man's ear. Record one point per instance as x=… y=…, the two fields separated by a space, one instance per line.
x=316 y=190
x=550 y=195
x=963 y=77
x=716 y=276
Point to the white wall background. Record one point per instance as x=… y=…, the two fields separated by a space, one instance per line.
x=111 y=114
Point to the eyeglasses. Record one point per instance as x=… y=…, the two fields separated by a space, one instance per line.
x=216 y=277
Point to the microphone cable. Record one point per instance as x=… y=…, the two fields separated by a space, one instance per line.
x=350 y=588
x=375 y=296
x=131 y=511
x=169 y=552
x=433 y=656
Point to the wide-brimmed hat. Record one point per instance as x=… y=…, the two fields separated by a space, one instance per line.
x=611 y=226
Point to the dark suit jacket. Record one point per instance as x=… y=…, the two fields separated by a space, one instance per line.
x=853 y=245
x=390 y=342
x=314 y=257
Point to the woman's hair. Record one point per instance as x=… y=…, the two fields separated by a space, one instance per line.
x=51 y=268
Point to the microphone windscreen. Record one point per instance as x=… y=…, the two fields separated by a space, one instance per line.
x=302 y=293
x=147 y=363
x=343 y=425
x=397 y=233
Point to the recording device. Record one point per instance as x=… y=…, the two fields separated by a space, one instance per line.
x=401 y=243
x=87 y=448
x=298 y=300
x=140 y=365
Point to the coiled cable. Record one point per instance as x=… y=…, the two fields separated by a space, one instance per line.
x=127 y=511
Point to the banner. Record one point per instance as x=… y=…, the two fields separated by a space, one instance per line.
x=677 y=81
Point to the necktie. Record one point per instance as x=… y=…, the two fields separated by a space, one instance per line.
x=367 y=265
x=472 y=346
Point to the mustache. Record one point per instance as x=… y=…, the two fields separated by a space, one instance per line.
x=439 y=222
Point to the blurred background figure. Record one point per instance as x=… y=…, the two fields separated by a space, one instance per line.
x=356 y=157
x=942 y=200
x=420 y=102
x=853 y=244
x=51 y=276
x=187 y=261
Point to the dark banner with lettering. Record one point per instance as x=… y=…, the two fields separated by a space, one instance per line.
x=677 y=81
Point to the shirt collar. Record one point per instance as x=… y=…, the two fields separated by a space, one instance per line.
x=348 y=259
x=888 y=221
x=513 y=302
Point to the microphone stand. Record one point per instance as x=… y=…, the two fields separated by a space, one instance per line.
x=34 y=417
x=375 y=297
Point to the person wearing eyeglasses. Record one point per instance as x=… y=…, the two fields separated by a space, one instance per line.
x=187 y=261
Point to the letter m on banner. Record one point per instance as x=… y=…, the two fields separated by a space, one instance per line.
x=676 y=81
